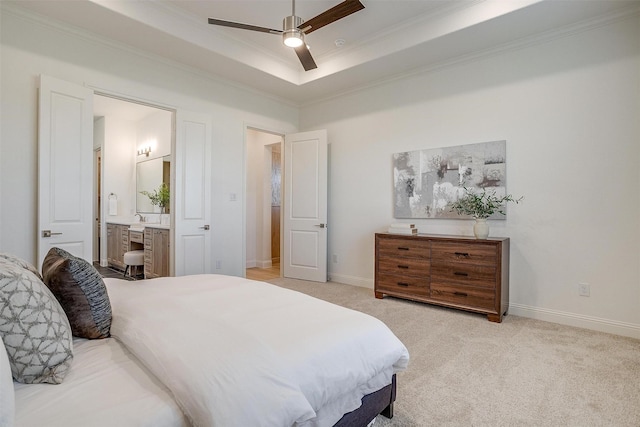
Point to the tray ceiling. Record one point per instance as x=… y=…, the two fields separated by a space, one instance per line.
x=386 y=39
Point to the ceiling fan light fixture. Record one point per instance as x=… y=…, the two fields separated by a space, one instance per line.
x=292 y=36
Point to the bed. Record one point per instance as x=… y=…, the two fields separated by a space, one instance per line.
x=106 y=387
x=214 y=350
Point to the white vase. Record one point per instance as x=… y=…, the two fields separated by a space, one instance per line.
x=481 y=228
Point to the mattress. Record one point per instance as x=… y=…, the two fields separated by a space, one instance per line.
x=106 y=386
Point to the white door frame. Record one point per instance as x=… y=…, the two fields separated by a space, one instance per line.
x=96 y=246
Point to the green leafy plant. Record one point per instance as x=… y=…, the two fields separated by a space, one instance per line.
x=481 y=204
x=159 y=197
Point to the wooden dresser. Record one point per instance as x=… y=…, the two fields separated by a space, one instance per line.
x=458 y=272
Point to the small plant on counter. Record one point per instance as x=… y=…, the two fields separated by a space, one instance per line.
x=160 y=197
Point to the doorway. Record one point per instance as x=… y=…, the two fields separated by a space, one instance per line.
x=126 y=135
x=66 y=111
x=263 y=204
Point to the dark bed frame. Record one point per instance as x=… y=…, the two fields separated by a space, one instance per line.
x=378 y=402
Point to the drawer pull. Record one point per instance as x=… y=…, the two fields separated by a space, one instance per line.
x=403 y=266
x=459 y=273
x=402 y=248
x=403 y=284
x=462 y=254
x=460 y=294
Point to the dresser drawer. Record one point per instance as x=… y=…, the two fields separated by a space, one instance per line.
x=467 y=296
x=452 y=252
x=402 y=284
x=136 y=236
x=409 y=248
x=465 y=274
x=408 y=266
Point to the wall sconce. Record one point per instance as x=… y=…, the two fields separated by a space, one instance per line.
x=145 y=150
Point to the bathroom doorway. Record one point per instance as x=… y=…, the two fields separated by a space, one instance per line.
x=263 y=204
x=125 y=135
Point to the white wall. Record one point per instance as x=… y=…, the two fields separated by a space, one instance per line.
x=31 y=47
x=118 y=163
x=154 y=131
x=569 y=110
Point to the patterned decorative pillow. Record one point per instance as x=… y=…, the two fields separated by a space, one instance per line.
x=22 y=263
x=34 y=328
x=81 y=292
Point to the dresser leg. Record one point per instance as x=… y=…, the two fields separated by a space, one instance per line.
x=494 y=318
x=379 y=295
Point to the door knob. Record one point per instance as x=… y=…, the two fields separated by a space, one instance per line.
x=321 y=225
x=206 y=227
x=48 y=233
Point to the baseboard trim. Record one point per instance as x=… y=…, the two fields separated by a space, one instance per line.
x=351 y=280
x=561 y=317
x=578 y=320
x=258 y=264
x=264 y=264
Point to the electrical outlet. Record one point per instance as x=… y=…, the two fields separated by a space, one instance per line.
x=218 y=265
x=334 y=258
x=584 y=290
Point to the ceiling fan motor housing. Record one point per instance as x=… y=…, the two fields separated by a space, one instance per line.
x=291 y=35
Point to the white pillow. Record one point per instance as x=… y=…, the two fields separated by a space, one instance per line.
x=7 y=397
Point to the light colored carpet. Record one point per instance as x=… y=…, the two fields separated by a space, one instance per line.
x=467 y=371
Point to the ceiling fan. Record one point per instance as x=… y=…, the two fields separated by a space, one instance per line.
x=294 y=28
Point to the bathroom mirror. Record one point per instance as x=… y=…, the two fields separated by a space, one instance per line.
x=150 y=174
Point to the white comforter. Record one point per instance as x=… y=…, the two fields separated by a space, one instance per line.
x=236 y=352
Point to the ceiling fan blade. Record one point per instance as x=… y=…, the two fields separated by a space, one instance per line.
x=243 y=26
x=339 y=11
x=305 y=58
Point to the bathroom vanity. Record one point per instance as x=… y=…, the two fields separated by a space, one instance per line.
x=154 y=239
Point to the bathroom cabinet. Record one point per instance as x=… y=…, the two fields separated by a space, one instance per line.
x=153 y=240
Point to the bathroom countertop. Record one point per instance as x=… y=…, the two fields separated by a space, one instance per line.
x=138 y=224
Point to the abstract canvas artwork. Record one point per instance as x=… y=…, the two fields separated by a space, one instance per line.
x=426 y=182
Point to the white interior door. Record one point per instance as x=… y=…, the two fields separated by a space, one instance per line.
x=65 y=159
x=305 y=206
x=192 y=201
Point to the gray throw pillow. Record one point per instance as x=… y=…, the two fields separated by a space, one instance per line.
x=81 y=292
x=34 y=328
x=22 y=263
